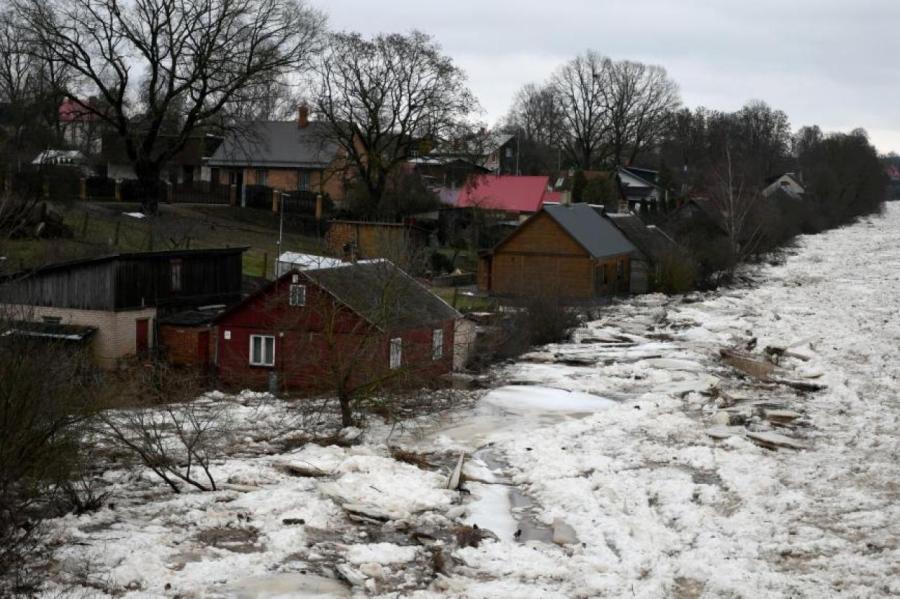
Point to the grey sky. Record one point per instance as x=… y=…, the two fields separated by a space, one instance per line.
x=827 y=62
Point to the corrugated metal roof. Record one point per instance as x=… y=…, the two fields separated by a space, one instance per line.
x=277 y=144
x=587 y=226
x=508 y=193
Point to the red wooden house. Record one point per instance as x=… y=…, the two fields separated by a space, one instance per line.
x=360 y=324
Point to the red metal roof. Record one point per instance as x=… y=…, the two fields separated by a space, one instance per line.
x=71 y=111
x=505 y=192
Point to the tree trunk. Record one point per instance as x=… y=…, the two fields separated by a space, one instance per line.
x=346 y=411
x=149 y=185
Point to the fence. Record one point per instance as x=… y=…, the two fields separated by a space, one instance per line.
x=200 y=192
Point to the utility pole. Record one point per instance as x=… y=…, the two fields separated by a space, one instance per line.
x=280 y=235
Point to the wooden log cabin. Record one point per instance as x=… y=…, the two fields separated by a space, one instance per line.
x=121 y=296
x=569 y=251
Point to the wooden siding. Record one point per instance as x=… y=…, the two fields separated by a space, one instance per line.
x=540 y=257
x=83 y=287
x=542 y=235
x=131 y=282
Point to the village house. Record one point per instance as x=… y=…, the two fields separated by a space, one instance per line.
x=122 y=296
x=640 y=189
x=188 y=166
x=787 y=183
x=290 y=156
x=313 y=330
x=567 y=250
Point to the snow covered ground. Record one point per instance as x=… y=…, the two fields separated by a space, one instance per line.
x=602 y=444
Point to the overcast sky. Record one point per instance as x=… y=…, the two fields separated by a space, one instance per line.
x=828 y=62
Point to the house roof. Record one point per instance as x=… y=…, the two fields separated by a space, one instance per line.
x=508 y=193
x=377 y=290
x=586 y=225
x=50 y=331
x=125 y=256
x=647 y=175
x=650 y=240
x=383 y=294
x=294 y=260
x=277 y=144
x=201 y=316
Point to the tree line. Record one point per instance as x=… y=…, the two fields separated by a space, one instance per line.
x=156 y=72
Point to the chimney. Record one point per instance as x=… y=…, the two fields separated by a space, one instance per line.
x=303 y=116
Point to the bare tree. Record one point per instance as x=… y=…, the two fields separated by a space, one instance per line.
x=154 y=416
x=381 y=97
x=165 y=69
x=581 y=87
x=640 y=98
x=736 y=200
x=31 y=89
x=536 y=117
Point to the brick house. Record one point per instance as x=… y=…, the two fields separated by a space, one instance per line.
x=290 y=156
x=356 y=325
x=568 y=250
x=121 y=296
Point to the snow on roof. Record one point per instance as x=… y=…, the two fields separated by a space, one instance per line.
x=298 y=261
x=59 y=157
x=509 y=193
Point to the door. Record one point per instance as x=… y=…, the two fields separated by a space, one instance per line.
x=142 y=335
x=203 y=349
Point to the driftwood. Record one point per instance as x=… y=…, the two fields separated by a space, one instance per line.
x=771 y=440
x=456 y=475
x=748 y=364
x=778 y=352
x=804 y=386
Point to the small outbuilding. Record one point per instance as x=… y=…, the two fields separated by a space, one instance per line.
x=654 y=248
x=570 y=251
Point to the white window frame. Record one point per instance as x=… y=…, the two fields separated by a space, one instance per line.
x=304 y=180
x=300 y=298
x=262 y=347
x=396 y=353
x=437 y=344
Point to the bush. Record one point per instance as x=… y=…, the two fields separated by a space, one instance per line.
x=46 y=395
x=677 y=273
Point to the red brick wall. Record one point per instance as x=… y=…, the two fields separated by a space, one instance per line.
x=180 y=344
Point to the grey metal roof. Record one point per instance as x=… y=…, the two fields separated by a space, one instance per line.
x=650 y=240
x=587 y=226
x=383 y=294
x=277 y=144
